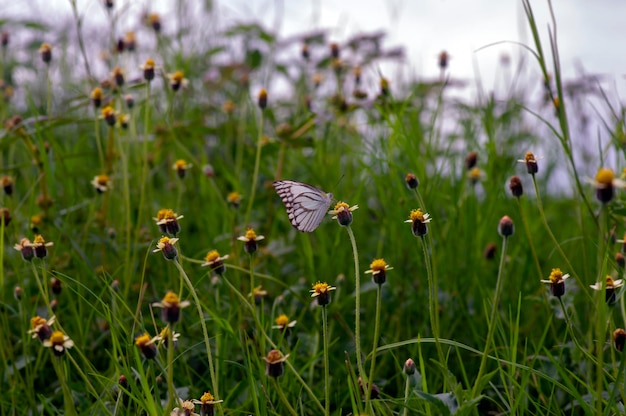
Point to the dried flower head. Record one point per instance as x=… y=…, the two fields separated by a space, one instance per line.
x=130 y=43
x=411 y=181
x=471 y=159
x=418 y=221
x=171 y=306
x=41 y=328
x=490 y=251
x=557 y=282
x=506 y=227
x=275 y=366
x=154 y=20
x=96 y=97
x=26 y=249
x=321 y=291
x=443 y=59
x=118 y=76
x=343 y=213
x=515 y=185
x=619 y=339
x=409 y=367
x=262 y=99
x=378 y=269
x=59 y=343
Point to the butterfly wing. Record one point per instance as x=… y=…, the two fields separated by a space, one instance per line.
x=305 y=204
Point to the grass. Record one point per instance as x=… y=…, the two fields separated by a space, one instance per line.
x=88 y=172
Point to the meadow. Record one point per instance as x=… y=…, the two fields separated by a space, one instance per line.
x=148 y=265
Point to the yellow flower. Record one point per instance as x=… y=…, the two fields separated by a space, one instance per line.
x=321 y=291
x=605 y=183
x=166 y=246
x=531 y=162
x=207 y=402
x=343 y=213
x=171 y=306
x=181 y=166
x=234 y=199
x=102 y=183
x=609 y=285
x=148 y=69
x=418 y=221
x=250 y=241
x=167 y=220
x=378 y=269
x=177 y=80
x=59 y=343
x=556 y=282
x=146 y=345
x=215 y=261
x=282 y=322
x=40 y=246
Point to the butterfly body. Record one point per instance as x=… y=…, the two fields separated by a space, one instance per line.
x=306 y=205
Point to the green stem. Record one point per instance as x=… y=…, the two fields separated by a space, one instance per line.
x=257 y=163
x=529 y=237
x=170 y=370
x=205 y=333
x=68 y=401
x=283 y=399
x=357 y=323
x=433 y=300
x=370 y=383
x=326 y=363
x=407 y=392
x=492 y=319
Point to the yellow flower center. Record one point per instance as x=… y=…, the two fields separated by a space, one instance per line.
x=212 y=256
x=96 y=94
x=36 y=321
x=233 y=198
x=142 y=340
x=178 y=76
x=149 y=63
x=102 y=180
x=605 y=176
x=529 y=157
x=556 y=276
x=154 y=18
x=320 y=287
x=259 y=291
x=117 y=71
x=163 y=241
x=416 y=215
x=108 y=111
x=250 y=234
x=282 y=320
x=609 y=281
x=181 y=164
x=341 y=206
x=57 y=338
x=207 y=397
x=263 y=94
x=378 y=265
x=475 y=174
x=39 y=240
x=36 y=219
x=171 y=298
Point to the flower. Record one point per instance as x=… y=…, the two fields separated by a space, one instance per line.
x=275 y=366
x=40 y=328
x=442 y=60
x=343 y=213
x=7 y=184
x=171 y=305
x=35 y=222
x=471 y=159
x=155 y=21
x=250 y=241
x=96 y=97
x=166 y=246
x=418 y=221
x=215 y=262
x=610 y=286
x=531 y=162
x=234 y=199
x=146 y=345
x=515 y=185
x=605 y=182
x=411 y=181
x=282 y=322
x=164 y=336
x=59 y=342
x=409 y=367
x=506 y=227
x=167 y=220
x=321 y=291
x=130 y=43
x=206 y=402
x=262 y=99
x=187 y=408
x=557 y=282
x=102 y=183
x=148 y=69
x=475 y=175
x=258 y=293
x=378 y=269
x=118 y=76
x=45 y=51
x=619 y=338
x=181 y=166
x=177 y=80
x=40 y=246
x=25 y=247
x=108 y=114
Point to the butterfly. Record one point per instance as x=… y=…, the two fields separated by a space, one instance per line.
x=305 y=204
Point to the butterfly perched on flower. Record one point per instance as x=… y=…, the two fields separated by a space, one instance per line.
x=306 y=205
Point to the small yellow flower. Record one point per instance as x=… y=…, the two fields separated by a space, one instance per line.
x=40 y=328
x=605 y=183
x=321 y=291
x=40 y=246
x=148 y=69
x=378 y=269
x=411 y=181
x=215 y=261
x=282 y=322
x=250 y=240
x=207 y=402
x=262 y=99
x=45 y=51
x=96 y=97
x=475 y=175
x=418 y=221
x=59 y=342
x=531 y=162
x=166 y=246
x=102 y=183
x=177 y=80
x=171 y=306
x=610 y=285
x=234 y=199
x=154 y=20
x=167 y=220
x=109 y=115
x=181 y=166
x=118 y=76
x=258 y=293
x=343 y=213
x=556 y=282
x=146 y=345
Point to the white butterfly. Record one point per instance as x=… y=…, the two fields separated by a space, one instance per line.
x=305 y=204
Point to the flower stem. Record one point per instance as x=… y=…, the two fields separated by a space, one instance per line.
x=257 y=163
x=357 y=323
x=283 y=399
x=170 y=370
x=529 y=237
x=370 y=383
x=326 y=363
x=205 y=333
x=407 y=392
x=433 y=300
x=492 y=319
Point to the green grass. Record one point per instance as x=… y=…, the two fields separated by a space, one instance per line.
x=485 y=334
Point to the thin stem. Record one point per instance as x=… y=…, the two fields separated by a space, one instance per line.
x=370 y=383
x=205 y=333
x=407 y=392
x=68 y=401
x=529 y=237
x=357 y=323
x=257 y=164
x=433 y=300
x=170 y=369
x=492 y=319
x=326 y=363
x=283 y=399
